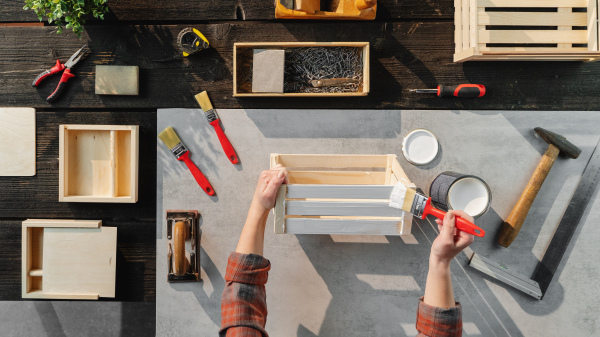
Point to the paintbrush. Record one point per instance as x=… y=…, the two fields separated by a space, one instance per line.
x=172 y=141
x=213 y=119
x=409 y=200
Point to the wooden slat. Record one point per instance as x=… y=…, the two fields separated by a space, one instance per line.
x=592 y=24
x=533 y=3
x=337 y=208
x=532 y=50
x=336 y=177
x=332 y=160
x=533 y=36
x=339 y=192
x=473 y=36
x=466 y=21
x=567 y=18
x=562 y=26
x=343 y=226
x=458 y=26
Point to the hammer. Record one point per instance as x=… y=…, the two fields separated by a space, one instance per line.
x=556 y=144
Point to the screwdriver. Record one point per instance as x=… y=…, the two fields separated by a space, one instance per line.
x=461 y=90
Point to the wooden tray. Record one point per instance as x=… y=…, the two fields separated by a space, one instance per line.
x=98 y=163
x=242 y=61
x=492 y=30
x=68 y=259
x=340 y=194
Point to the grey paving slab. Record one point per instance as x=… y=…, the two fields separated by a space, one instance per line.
x=322 y=285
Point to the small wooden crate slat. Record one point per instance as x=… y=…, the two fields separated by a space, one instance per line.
x=355 y=202
x=242 y=60
x=492 y=30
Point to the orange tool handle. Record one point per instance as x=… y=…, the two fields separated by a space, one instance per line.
x=461 y=90
x=461 y=223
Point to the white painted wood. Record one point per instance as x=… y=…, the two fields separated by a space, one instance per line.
x=564 y=17
x=343 y=226
x=279 y=210
x=17 y=142
x=342 y=208
x=532 y=3
x=339 y=191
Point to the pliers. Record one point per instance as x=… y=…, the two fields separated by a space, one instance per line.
x=57 y=69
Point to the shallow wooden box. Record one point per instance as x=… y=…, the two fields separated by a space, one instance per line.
x=557 y=30
x=242 y=60
x=98 y=163
x=68 y=259
x=340 y=194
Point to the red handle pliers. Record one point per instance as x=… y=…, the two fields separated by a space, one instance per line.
x=57 y=69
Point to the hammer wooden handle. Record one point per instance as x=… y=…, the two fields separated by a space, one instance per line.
x=179 y=235
x=517 y=216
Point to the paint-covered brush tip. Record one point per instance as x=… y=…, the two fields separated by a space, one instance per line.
x=169 y=137
x=204 y=101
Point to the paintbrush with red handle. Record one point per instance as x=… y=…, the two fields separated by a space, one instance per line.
x=213 y=119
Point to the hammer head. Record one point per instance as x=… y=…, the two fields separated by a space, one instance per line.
x=560 y=142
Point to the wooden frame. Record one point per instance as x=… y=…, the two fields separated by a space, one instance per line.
x=68 y=259
x=98 y=163
x=340 y=194
x=483 y=30
x=242 y=61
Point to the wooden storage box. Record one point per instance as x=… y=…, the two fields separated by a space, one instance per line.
x=340 y=194
x=68 y=259
x=242 y=63
x=98 y=163
x=557 y=30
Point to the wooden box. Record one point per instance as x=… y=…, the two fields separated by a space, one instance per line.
x=68 y=259
x=242 y=63
x=98 y=163
x=557 y=30
x=340 y=194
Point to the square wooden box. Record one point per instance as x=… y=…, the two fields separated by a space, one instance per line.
x=68 y=259
x=242 y=60
x=492 y=30
x=98 y=163
x=340 y=194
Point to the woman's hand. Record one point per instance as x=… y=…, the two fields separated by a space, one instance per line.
x=266 y=189
x=450 y=241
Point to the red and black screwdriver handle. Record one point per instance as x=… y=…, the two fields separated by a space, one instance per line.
x=462 y=90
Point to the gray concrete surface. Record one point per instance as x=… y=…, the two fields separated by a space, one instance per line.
x=322 y=285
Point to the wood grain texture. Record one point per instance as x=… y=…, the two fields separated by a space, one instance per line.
x=17 y=142
x=403 y=56
x=37 y=197
x=201 y=10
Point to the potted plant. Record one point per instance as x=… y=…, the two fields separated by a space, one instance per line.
x=68 y=13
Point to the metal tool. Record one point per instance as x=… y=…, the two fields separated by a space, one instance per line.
x=329 y=82
x=190 y=40
x=556 y=144
x=183 y=242
x=544 y=272
x=461 y=90
x=80 y=54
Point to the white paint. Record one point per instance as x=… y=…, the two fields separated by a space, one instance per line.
x=420 y=147
x=469 y=195
x=398 y=195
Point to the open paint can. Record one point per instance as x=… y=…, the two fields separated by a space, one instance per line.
x=468 y=193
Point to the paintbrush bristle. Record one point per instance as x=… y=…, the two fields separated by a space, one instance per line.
x=402 y=197
x=204 y=101
x=169 y=137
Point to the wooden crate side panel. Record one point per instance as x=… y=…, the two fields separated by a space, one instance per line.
x=342 y=208
x=381 y=192
x=592 y=24
x=533 y=36
x=343 y=226
x=533 y=3
x=565 y=17
x=458 y=26
x=279 y=210
x=332 y=160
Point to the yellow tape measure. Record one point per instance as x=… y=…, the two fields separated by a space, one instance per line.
x=190 y=40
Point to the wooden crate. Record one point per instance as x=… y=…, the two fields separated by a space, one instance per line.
x=98 y=163
x=340 y=194
x=242 y=63
x=494 y=30
x=68 y=259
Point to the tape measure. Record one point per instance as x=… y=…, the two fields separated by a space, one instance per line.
x=190 y=40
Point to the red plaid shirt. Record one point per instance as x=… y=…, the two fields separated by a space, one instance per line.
x=244 y=303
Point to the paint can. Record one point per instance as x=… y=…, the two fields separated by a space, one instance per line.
x=468 y=193
x=420 y=147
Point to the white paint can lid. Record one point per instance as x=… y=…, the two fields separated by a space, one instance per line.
x=420 y=147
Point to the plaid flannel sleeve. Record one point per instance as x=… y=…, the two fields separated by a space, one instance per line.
x=244 y=300
x=439 y=322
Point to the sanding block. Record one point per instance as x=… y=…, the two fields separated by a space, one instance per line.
x=267 y=70
x=117 y=80
x=183 y=241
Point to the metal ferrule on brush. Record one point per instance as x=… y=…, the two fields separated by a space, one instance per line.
x=179 y=149
x=418 y=205
x=211 y=115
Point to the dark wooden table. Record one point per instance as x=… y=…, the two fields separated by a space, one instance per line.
x=412 y=44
